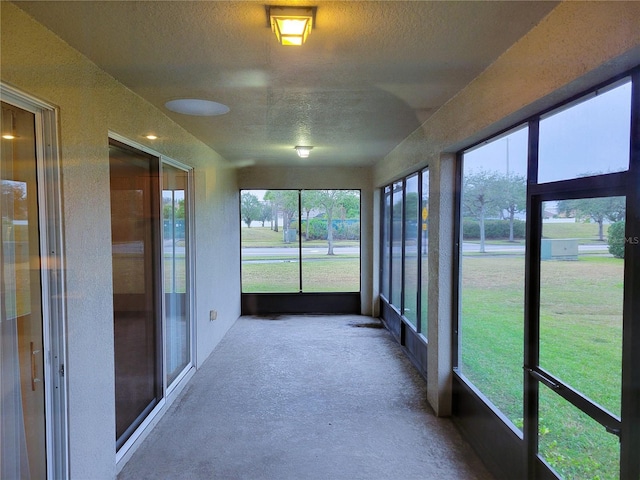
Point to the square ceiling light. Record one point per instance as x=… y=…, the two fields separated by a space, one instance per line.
x=291 y=25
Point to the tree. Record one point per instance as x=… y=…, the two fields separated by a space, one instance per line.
x=14 y=194
x=172 y=210
x=265 y=212
x=310 y=201
x=510 y=196
x=285 y=202
x=597 y=209
x=478 y=200
x=250 y=208
x=330 y=201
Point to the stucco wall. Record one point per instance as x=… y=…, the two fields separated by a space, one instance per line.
x=577 y=46
x=327 y=178
x=91 y=104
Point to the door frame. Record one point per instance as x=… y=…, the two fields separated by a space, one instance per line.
x=52 y=276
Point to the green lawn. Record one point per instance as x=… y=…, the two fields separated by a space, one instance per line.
x=581 y=230
x=581 y=337
x=280 y=273
x=330 y=274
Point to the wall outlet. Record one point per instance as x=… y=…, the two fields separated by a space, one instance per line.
x=213 y=314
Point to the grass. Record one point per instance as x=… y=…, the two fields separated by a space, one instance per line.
x=581 y=230
x=581 y=338
x=280 y=273
x=331 y=274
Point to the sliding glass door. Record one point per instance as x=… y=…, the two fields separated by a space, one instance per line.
x=152 y=287
x=135 y=232
x=32 y=342
x=22 y=381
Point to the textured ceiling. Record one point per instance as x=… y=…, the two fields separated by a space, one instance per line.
x=369 y=74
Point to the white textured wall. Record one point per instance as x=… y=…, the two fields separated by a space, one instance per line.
x=578 y=45
x=327 y=178
x=91 y=104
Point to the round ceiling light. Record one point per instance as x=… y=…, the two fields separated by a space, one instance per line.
x=196 y=106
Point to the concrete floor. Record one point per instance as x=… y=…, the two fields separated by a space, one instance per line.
x=305 y=397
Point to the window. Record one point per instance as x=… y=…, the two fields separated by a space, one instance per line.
x=595 y=130
x=411 y=229
x=570 y=254
x=397 y=245
x=300 y=241
x=404 y=252
x=492 y=262
x=386 y=244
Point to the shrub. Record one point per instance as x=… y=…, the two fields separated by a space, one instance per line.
x=615 y=238
x=342 y=230
x=493 y=229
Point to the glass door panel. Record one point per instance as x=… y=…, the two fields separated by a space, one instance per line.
x=581 y=298
x=572 y=443
x=22 y=437
x=176 y=274
x=135 y=236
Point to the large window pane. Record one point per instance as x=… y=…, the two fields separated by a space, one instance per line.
x=587 y=138
x=175 y=261
x=269 y=241
x=331 y=240
x=396 y=246
x=386 y=242
x=424 y=231
x=323 y=245
x=581 y=297
x=492 y=270
x=412 y=204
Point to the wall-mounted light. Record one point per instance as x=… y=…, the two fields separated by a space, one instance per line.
x=303 y=152
x=291 y=25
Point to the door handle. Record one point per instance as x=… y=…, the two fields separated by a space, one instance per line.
x=34 y=370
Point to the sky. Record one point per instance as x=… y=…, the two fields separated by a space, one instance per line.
x=589 y=137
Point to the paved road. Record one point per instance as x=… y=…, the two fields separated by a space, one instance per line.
x=467 y=247
x=293 y=251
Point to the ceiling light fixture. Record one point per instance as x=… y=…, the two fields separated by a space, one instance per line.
x=8 y=136
x=291 y=25
x=303 y=152
x=151 y=137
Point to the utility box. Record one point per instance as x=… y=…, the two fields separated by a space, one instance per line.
x=559 y=249
x=289 y=235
